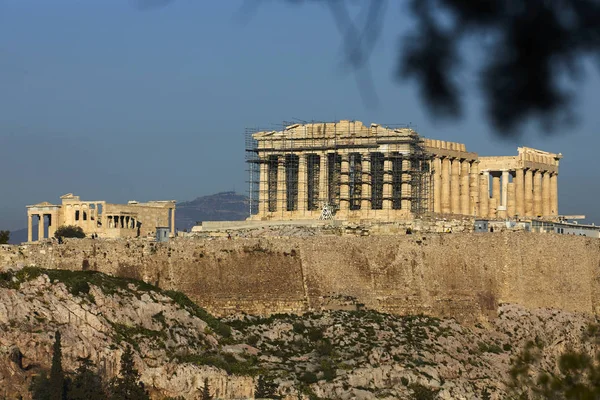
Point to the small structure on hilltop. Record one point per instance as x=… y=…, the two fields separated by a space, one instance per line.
x=104 y=219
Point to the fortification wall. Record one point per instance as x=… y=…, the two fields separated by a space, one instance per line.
x=463 y=275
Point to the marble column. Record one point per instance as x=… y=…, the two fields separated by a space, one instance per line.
x=406 y=188
x=528 y=193
x=493 y=208
x=437 y=184
x=344 y=186
x=510 y=200
x=484 y=195
x=322 y=180
x=455 y=187
x=29 y=228
x=302 y=184
x=546 y=189
x=554 y=194
x=365 y=203
x=474 y=189
x=173 y=221
x=503 y=203
x=387 y=182
x=464 y=188
x=519 y=193
x=52 y=221
x=446 y=185
x=496 y=196
x=41 y=227
x=537 y=193
x=281 y=194
x=263 y=197
x=505 y=181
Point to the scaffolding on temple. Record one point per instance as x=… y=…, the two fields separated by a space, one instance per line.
x=296 y=179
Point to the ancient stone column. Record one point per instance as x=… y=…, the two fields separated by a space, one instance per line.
x=510 y=200
x=455 y=187
x=493 y=208
x=262 y=187
x=41 y=227
x=474 y=189
x=437 y=184
x=502 y=204
x=29 y=228
x=546 y=200
x=519 y=193
x=484 y=195
x=528 y=193
x=387 y=182
x=537 y=193
x=495 y=194
x=464 y=188
x=281 y=186
x=365 y=203
x=554 y=194
x=52 y=220
x=302 y=186
x=344 y=187
x=406 y=188
x=446 y=185
x=173 y=221
x=323 y=182
x=505 y=181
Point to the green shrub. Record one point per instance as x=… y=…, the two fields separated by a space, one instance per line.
x=308 y=378
x=69 y=231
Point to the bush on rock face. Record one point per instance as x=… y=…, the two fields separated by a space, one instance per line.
x=69 y=231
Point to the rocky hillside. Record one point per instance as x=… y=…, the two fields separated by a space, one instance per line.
x=226 y=206
x=337 y=354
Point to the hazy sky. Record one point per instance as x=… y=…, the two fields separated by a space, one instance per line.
x=111 y=102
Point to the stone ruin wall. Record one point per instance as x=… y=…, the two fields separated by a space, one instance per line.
x=462 y=275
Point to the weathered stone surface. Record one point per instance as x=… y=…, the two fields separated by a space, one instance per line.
x=462 y=275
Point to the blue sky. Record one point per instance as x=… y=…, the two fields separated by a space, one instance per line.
x=111 y=102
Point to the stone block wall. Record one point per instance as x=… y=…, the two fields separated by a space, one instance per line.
x=462 y=275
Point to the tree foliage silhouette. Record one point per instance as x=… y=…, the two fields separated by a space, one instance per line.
x=69 y=231
x=206 y=391
x=4 y=237
x=56 y=383
x=265 y=388
x=87 y=384
x=128 y=385
x=577 y=373
x=525 y=50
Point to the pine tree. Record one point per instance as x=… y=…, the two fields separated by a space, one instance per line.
x=128 y=387
x=39 y=387
x=265 y=389
x=206 y=391
x=87 y=384
x=57 y=383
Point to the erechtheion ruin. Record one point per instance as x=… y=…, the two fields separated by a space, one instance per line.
x=99 y=217
x=386 y=173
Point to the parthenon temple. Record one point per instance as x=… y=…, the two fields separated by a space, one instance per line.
x=104 y=219
x=387 y=173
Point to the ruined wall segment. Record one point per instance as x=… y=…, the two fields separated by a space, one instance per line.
x=460 y=275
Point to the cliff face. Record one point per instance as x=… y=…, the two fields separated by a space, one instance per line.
x=334 y=354
x=98 y=316
x=462 y=275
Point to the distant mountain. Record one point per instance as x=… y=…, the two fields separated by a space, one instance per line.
x=17 y=237
x=226 y=206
